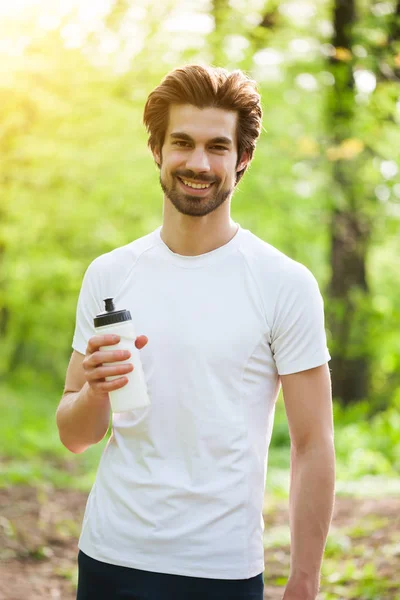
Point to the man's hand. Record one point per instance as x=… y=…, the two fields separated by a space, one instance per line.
x=83 y=415
x=300 y=590
x=97 y=365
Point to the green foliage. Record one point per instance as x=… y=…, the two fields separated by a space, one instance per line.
x=367 y=447
x=30 y=449
x=76 y=177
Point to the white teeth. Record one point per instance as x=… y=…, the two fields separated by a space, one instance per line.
x=197 y=186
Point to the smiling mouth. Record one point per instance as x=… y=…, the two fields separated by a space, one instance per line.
x=195 y=186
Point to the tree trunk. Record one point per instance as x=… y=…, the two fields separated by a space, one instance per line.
x=350 y=233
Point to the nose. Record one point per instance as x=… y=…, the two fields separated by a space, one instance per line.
x=198 y=161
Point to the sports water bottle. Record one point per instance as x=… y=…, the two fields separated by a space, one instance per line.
x=119 y=322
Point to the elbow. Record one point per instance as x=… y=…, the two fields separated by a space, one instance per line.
x=65 y=439
x=77 y=450
x=74 y=448
x=320 y=443
x=69 y=445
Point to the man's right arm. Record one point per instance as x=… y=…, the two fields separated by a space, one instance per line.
x=81 y=420
x=83 y=415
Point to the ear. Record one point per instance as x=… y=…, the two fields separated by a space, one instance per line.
x=157 y=155
x=245 y=159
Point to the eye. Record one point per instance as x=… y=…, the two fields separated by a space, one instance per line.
x=180 y=144
x=219 y=148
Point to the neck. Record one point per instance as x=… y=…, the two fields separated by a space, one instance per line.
x=192 y=236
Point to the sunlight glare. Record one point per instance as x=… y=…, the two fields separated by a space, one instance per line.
x=12 y=8
x=365 y=81
x=300 y=12
x=189 y=22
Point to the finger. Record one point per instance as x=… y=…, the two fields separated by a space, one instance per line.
x=108 y=386
x=105 y=356
x=97 y=341
x=141 y=341
x=101 y=372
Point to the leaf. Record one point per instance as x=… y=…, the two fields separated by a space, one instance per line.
x=347 y=150
x=343 y=54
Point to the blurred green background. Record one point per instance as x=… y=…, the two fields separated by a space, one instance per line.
x=77 y=180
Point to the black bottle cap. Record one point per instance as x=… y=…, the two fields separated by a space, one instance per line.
x=111 y=316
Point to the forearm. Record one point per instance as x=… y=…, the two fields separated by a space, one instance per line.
x=82 y=420
x=312 y=490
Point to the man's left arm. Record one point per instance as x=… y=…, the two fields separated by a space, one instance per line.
x=308 y=404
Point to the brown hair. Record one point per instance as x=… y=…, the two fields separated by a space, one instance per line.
x=206 y=87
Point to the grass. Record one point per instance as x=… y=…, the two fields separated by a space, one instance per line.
x=30 y=449
x=367 y=453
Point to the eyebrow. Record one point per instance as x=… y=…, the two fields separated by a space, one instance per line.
x=217 y=140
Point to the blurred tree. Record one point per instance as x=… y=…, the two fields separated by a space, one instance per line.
x=350 y=231
x=221 y=12
x=354 y=208
x=17 y=117
x=270 y=20
x=76 y=177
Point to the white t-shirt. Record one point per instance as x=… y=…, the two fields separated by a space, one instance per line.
x=180 y=484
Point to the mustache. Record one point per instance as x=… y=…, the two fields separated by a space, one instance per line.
x=191 y=175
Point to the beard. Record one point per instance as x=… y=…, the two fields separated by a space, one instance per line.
x=194 y=206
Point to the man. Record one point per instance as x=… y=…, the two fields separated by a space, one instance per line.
x=176 y=509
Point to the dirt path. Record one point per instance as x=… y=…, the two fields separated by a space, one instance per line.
x=39 y=531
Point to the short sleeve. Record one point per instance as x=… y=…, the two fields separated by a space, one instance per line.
x=298 y=338
x=87 y=308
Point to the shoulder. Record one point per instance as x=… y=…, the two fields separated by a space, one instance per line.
x=106 y=272
x=272 y=267
x=124 y=257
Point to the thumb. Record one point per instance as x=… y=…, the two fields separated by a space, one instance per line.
x=141 y=341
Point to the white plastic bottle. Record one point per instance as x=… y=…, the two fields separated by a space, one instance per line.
x=119 y=322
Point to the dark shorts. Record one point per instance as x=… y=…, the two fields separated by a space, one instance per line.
x=102 y=581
